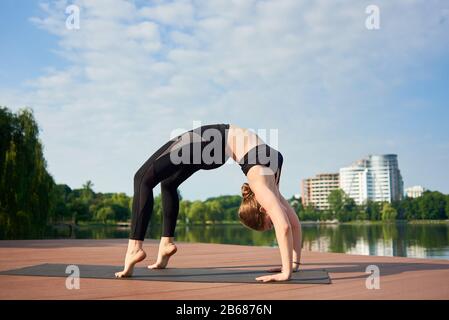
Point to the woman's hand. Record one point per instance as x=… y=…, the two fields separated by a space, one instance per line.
x=274 y=277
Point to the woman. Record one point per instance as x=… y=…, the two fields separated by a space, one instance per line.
x=205 y=148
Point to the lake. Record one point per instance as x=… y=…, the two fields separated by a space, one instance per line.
x=429 y=240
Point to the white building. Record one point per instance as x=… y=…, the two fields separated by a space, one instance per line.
x=353 y=181
x=414 y=192
x=375 y=178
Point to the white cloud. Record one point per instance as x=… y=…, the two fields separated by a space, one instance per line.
x=147 y=35
x=177 y=13
x=134 y=73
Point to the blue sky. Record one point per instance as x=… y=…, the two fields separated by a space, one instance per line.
x=109 y=94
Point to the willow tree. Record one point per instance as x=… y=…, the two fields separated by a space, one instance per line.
x=25 y=185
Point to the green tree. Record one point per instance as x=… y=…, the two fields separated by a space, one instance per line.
x=25 y=185
x=157 y=210
x=447 y=207
x=361 y=213
x=105 y=213
x=309 y=213
x=184 y=207
x=214 y=211
x=121 y=213
x=121 y=204
x=431 y=205
x=296 y=204
x=388 y=212
x=61 y=211
x=87 y=192
x=197 y=212
x=80 y=211
x=341 y=206
x=408 y=209
x=373 y=210
x=350 y=210
x=336 y=203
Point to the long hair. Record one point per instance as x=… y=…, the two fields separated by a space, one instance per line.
x=249 y=211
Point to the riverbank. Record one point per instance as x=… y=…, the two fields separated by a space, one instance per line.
x=428 y=221
x=209 y=223
x=368 y=222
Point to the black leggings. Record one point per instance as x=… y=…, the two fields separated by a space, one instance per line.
x=158 y=168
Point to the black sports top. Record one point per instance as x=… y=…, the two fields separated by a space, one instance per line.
x=264 y=155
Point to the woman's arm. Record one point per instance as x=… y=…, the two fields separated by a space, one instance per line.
x=268 y=199
x=296 y=233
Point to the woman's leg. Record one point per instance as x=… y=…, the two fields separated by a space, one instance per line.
x=170 y=209
x=134 y=254
x=145 y=180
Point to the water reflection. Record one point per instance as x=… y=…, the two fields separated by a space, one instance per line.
x=400 y=239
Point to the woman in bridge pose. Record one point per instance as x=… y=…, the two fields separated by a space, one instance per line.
x=205 y=148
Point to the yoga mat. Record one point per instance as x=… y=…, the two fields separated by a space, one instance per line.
x=223 y=275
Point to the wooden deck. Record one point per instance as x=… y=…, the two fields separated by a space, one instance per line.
x=401 y=278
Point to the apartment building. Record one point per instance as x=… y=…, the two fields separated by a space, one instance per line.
x=376 y=178
x=315 y=191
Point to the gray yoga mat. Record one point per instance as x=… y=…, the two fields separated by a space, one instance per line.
x=224 y=275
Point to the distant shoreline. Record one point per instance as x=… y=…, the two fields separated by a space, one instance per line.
x=360 y=222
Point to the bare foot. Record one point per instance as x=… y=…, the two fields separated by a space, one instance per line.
x=131 y=259
x=165 y=252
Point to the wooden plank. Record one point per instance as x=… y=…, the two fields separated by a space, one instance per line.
x=401 y=278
